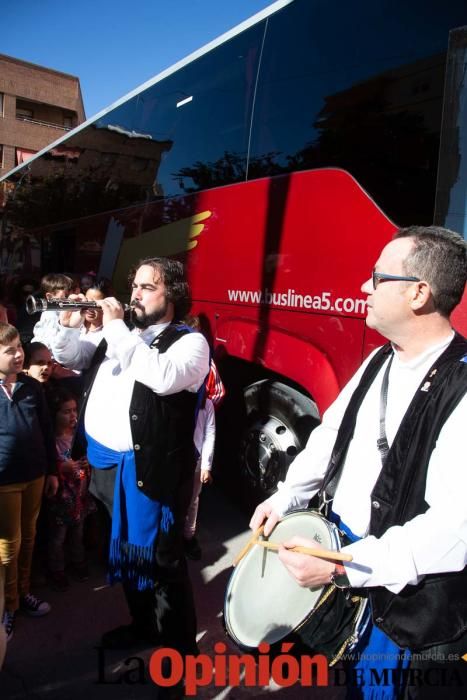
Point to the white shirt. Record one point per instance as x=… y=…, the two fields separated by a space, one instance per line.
x=93 y=337
x=205 y=436
x=46 y=328
x=183 y=366
x=434 y=542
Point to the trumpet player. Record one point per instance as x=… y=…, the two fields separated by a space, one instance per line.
x=139 y=420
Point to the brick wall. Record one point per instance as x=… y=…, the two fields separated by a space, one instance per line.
x=51 y=95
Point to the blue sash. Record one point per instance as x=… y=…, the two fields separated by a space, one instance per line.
x=136 y=519
x=376 y=657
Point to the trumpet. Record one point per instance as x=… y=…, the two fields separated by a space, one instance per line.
x=35 y=305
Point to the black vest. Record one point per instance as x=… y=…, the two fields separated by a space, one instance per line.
x=435 y=610
x=162 y=427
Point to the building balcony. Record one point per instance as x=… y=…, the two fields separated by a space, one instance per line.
x=40 y=122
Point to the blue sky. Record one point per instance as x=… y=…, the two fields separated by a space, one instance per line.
x=111 y=45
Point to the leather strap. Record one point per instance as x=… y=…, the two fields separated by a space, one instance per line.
x=382 y=442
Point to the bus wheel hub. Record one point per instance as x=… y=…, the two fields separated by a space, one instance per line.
x=268 y=448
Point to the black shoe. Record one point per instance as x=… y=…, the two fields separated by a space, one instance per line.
x=192 y=549
x=33 y=606
x=127 y=636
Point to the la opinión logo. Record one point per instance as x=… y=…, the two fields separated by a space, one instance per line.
x=167 y=668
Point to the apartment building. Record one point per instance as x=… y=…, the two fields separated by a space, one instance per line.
x=37 y=106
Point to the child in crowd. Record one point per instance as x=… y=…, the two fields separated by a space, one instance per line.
x=89 y=320
x=92 y=318
x=72 y=503
x=205 y=435
x=53 y=286
x=27 y=469
x=204 y=439
x=40 y=365
x=38 y=362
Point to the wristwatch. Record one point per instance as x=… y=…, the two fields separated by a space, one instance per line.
x=339 y=577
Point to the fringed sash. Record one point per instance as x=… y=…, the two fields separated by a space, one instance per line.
x=136 y=519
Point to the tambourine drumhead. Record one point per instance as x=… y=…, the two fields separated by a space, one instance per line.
x=263 y=602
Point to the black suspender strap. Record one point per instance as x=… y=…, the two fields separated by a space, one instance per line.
x=346 y=429
x=382 y=441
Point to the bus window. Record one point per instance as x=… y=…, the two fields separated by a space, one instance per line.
x=200 y=115
x=451 y=208
x=363 y=93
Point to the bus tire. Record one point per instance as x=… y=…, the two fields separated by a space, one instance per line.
x=278 y=422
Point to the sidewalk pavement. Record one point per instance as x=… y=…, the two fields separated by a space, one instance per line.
x=57 y=657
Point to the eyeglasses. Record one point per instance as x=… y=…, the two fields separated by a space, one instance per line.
x=378 y=277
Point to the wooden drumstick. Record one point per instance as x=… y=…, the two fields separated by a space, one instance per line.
x=312 y=551
x=252 y=541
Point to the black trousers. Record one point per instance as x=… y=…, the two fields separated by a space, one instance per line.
x=439 y=672
x=165 y=614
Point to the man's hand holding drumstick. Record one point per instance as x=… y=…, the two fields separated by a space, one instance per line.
x=308 y=571
x=264 y=512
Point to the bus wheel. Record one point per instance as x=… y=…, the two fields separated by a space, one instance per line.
x=279 y=420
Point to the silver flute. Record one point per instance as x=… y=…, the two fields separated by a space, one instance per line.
x=35 y=305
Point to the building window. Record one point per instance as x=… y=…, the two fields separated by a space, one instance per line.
x=1 y=156
x=1 y=105
x=24 y=109
x=23 y=154
x=23 y=113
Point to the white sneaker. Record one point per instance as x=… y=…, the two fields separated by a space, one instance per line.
x=35 y=607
